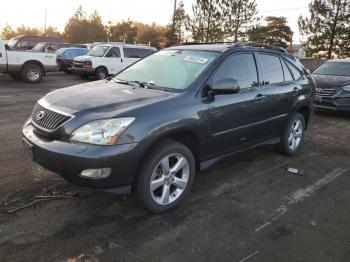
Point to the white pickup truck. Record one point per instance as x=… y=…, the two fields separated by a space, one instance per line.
x=29 y=66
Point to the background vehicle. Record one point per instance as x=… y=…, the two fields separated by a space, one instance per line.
x=166 y=116
x=53 y=47
x=65 y=57
x=109 y=59
x=28 y=66
x=25 y=42
x=333 y=85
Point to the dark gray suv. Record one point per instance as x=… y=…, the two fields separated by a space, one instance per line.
x=149 y=128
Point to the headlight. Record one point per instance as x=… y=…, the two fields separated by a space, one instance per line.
x=102 y=132
x=346 y=88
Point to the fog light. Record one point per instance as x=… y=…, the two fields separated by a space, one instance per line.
x=96 y=173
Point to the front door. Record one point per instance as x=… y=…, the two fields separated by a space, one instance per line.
x=231 y=116
x=113 y=60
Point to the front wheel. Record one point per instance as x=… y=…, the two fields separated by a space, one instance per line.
x=293 y=135
x=101 y=73
x=166 y=176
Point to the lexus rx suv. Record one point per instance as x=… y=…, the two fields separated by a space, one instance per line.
x=153 y=125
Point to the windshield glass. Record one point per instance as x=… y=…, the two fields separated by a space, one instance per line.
x=98 y=51
x=12 y=42
x=333 y=68
x=169 y=69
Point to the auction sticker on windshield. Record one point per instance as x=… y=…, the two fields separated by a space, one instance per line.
x=194 y=59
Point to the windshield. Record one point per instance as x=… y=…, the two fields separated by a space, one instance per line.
x=169 y=69
x=12 y=42
x=98 y=51
x=333 y=68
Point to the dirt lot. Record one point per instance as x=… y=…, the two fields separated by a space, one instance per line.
x=245 y=208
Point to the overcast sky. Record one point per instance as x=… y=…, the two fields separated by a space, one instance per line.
x=32 y=12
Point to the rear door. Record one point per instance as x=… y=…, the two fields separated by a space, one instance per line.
x=231 y=117
x=275 y=93
x=113 y=60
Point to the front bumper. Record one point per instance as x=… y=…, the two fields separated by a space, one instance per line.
x=83 y=71
x=70 y=159
x=339 y=102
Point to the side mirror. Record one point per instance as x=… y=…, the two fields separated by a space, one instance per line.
x=225 y=86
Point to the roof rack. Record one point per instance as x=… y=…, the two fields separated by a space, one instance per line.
x=206 y=43
x=259 y=45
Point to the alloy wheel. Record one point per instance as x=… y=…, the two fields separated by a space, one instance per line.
x=295 y=134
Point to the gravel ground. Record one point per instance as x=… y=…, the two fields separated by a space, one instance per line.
x=244 y=208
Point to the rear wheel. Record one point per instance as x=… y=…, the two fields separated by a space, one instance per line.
x=101 y=73
x=293 y=135
x=32 y=73
x=166 y=176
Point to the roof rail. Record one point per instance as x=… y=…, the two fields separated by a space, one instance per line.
x=259 y=45
x=206 y=43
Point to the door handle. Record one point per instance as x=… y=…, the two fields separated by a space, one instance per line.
x=259 y=97
x=295 y=91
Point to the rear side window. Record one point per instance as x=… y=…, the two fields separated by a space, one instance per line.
x=287 y=74
x=295 y=72
x=271 y=69
x=136 y=52
x=240 y=67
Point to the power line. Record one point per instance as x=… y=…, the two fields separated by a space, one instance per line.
x=285 y=9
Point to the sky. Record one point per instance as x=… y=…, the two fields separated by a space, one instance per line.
x=32 y=13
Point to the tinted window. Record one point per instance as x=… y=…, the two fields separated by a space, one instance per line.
x=295 y=72
x=333 y=68
x=240 y=67
x=136 y=52
x=113 y=52
x=271 y=69
x=287 y=74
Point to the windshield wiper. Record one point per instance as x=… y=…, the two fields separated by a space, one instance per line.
x=147 y=85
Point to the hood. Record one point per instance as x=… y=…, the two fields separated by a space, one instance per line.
x=330 y=81
x=103 y=96
x=83 y=58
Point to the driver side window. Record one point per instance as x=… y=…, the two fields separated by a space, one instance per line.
x=113 y=52
x=241 y=67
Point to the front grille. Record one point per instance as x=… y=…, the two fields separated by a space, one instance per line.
x=77 y=64
x=48 y=119
x=326 y=92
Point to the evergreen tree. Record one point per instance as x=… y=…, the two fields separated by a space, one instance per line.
x=125 y=31
x=326 y=32
x=175 y=30
x=206 y=24
x=96 y=30
x=239 y=16
x=275 y=32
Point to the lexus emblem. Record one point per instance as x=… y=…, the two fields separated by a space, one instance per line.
x=40 y=115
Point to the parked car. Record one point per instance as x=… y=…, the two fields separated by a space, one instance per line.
x=53 y=47
x=26 y=42
x=65 y=57
x=174 y=112
x=28 y=66
x=333 y=85
x=109 y=59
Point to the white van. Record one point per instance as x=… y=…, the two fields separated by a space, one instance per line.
x=109 y=59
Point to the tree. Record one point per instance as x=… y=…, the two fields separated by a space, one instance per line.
x=26 y=30
x=206 y=24
x=52 y=31
x=153 y=34
x=96 y=30
x=7 y=32
x=125 y=31
x=76 y=27
x=175 y=30
x=239 y=16
x=326 y=31
x=275 y=32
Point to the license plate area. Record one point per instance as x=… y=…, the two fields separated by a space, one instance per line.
x=28 y=150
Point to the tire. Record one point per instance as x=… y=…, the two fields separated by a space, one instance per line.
x=32 y=73
x=293 y=135
x=101 y=73
x=174 y=184
x=15 y=76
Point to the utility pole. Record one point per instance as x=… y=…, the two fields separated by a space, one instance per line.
x=45 y=21
x=175 y=3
